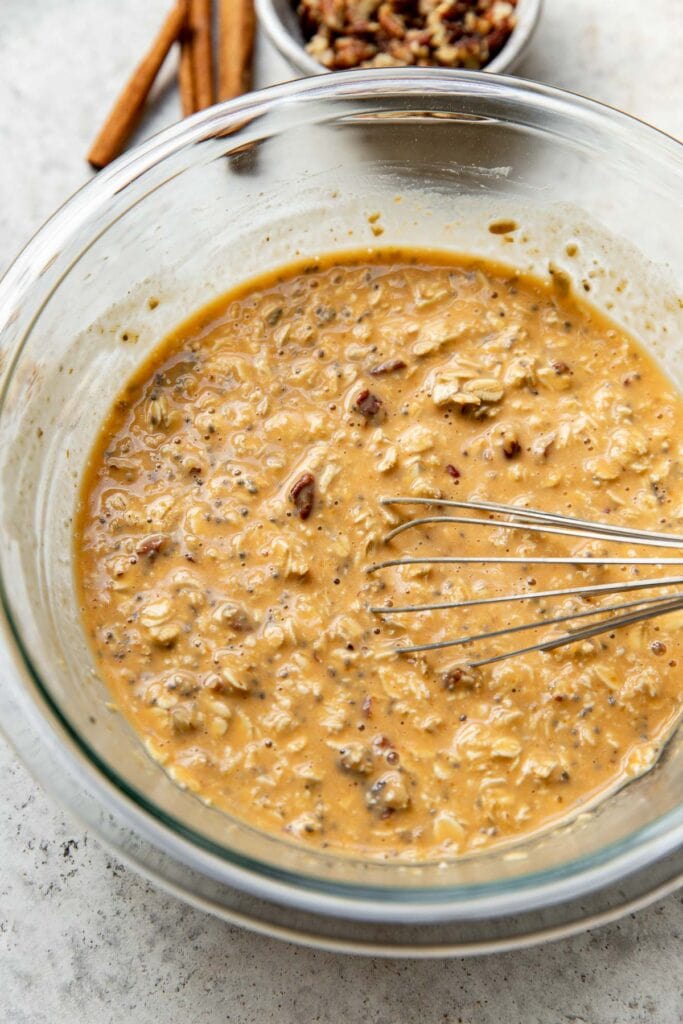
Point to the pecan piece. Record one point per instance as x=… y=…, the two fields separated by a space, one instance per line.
x=303 y=494
x=391 y=22
x=511 y=448
x=457 y=676
x=367 y=403
x=349 y=52
x=390 y=366
x=560 y=367
x=332 y=13
x=496 y=40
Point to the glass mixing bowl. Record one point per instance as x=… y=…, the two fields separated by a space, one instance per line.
x=227 y=194
x=280 y=22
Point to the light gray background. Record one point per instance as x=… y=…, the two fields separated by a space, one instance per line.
x=81 y=938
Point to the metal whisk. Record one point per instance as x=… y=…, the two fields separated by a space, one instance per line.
x=624 y=613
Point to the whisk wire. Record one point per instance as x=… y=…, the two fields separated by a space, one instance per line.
x=663 y=600
x=596 y=589
x=535 y=521
x=522 y=560
x=533 y=527
x=585 y=634
x=534 y=515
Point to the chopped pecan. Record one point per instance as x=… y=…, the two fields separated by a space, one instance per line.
x=390 y=21
x=303 y=495
x=495 y=41
x=386 y=33
x=333 y=13
x=560 y=367
x=390 y=366
x=457 y=676
x=511 y=447
x=350 y=51
x=367 y=403
x=451 y=678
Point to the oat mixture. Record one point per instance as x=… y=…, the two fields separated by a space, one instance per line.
x=230 y=511
x=345 y=34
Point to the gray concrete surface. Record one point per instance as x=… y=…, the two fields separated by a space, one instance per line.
x=83 y=939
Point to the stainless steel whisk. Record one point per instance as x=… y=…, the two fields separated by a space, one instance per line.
x=624 y=613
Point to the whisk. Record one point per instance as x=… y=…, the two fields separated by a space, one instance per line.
x=623 y=613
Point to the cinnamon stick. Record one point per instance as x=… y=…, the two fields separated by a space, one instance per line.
x=202 y=58
x=188 y=103
x=236 y=47
x=128 y=107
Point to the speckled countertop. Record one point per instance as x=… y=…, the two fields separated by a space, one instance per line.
x=82 y=938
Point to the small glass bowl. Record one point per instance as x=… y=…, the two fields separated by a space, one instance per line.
x=229 y=193
x=281 y=25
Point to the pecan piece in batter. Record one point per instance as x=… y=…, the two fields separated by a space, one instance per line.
x=303 y=495
x=368 y=404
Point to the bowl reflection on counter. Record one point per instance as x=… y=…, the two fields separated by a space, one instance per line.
x=230 y=193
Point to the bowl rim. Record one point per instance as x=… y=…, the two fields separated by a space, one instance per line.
x=296 y=55
x=345 y=899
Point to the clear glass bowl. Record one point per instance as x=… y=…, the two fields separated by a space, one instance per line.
x=227 y=194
